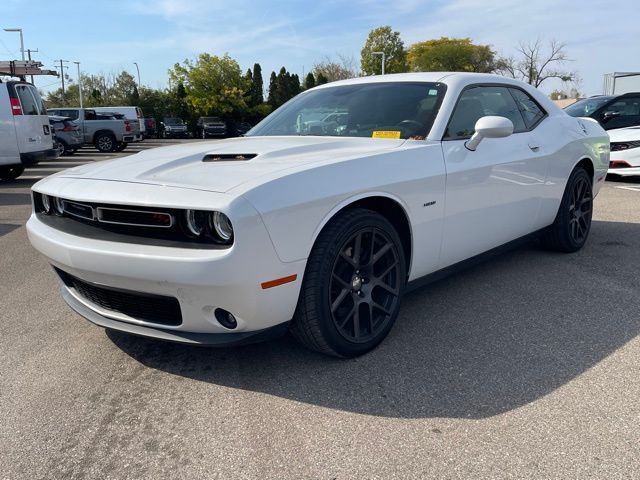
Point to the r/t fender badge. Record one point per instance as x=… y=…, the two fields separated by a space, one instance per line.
x=428 y=204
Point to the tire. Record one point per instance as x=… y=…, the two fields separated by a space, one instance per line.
x=349 y=301
x=570 y=229
x=11 y=172
x=204 y=135
x=68 y=150
x=60 y=148
x=105 y=142
x=121 y=146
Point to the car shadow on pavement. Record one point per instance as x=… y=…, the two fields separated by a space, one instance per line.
x=479 y=343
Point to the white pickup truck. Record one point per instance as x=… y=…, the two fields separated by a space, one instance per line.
x=106 y=135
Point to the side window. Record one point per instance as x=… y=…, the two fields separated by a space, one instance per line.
x=72 y=114
x=625 y=107
x=90 y=115
x=531 y=112
x=29 y=105
x=477 y=102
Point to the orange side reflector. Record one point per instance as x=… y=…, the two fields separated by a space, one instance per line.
x=278 y=281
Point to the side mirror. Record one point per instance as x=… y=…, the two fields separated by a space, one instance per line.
x=489 y=127
x=606 y=116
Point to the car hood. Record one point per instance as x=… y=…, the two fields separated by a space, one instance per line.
x=624 y=134
x=184 y=166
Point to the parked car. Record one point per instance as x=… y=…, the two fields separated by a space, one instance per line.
x=107 y=133
x=134 y=114
x=625 y=151
x=67 y=133
x=25 y=133
x=129 y=125
x=238 y=129
x=172 y=127
x=150 y=129
x=320 y=233
x=611 y=112
x=211 y=127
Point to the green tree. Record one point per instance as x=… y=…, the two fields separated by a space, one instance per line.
x=450 y=55
x=257 y=97
x=333 y=70
x=309 y=81
x=273 y=87
x=383 y=39
x=321 y=79
x=213 y=85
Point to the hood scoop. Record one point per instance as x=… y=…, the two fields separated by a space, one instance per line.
x=228 y=157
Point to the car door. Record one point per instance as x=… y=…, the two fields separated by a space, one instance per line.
x=32 y=126
x=623 y=112
x=493 y=194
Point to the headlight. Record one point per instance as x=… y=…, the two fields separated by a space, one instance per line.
x=46 y=204
x=58 y=207
x=195 y=221
x=221 y=226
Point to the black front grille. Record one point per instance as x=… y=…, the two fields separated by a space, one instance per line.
x=141 y=306
x=619 y=146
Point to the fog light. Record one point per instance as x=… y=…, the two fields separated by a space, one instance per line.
x=226 y=319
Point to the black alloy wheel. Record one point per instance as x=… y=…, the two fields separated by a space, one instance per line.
x=365 y=285
x=352 y=287
x=572 y=224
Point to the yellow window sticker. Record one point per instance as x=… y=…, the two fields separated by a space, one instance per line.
x=386 y=134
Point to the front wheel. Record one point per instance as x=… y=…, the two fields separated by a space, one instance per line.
x=570 y=230
x=11 y=173
x=352 y=287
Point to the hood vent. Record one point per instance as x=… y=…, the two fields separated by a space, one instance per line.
x=228 y=157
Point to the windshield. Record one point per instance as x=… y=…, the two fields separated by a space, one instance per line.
x=381 y=110
x=584 y=108
x=173 y=121
x=211 y=120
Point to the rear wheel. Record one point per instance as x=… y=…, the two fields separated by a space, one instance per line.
x=352 y=287
x=11 y=173
x=570 y=230
x=60 y=148
x=105 y=142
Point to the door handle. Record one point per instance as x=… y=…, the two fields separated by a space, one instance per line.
x=534 y=147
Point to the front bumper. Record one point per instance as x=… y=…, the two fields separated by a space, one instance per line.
x=200 y=279
x=624 y=172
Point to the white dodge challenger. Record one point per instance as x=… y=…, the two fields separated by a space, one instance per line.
x=323 y=215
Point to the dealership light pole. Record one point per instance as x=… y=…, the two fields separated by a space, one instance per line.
x=383 y=59
x=79 y=83
x=138 y=69
x=21 y=39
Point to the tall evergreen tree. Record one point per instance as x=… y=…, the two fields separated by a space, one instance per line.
x=309 y=81
x=257 y=97
x=273 y=90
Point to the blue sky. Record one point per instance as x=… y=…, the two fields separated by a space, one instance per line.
x=108 y=36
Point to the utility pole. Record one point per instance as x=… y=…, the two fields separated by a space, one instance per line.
x=62 y=67
x=79 y=83
x=29 y=52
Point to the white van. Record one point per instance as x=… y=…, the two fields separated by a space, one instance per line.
x=25 y=133
x=130 y=113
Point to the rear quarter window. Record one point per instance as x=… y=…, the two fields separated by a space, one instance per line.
x=27 y=100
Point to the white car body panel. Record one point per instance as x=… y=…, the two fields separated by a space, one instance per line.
x=458 y=204
x=631 y=156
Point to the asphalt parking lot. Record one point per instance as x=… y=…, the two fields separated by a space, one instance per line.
x=527 y=366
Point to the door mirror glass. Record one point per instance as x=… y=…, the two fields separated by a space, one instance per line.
x=489 y=127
